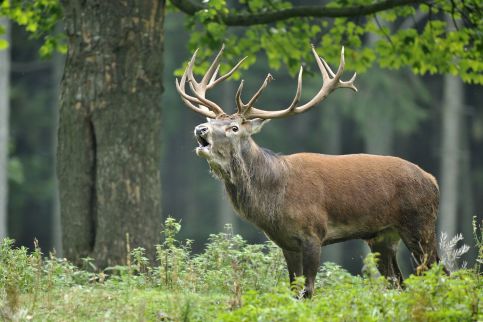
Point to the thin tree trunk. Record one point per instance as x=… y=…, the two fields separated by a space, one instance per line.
x=332 y=122
x=109 y=129
x=224 y=208
x=58 y=61
x=4 y=125
x=452 y=106
x=332 y=134
x=379 y=133
x=466 y=199
x=379 y=136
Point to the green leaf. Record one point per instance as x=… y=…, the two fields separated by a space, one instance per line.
x=15 y=170
x=3 y=44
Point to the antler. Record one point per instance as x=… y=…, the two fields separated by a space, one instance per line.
x=331 y=82
x=198 y=102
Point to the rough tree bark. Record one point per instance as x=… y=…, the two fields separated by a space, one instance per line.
x=4 y=122
x=109 y=135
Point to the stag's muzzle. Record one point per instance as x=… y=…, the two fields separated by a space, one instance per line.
x=201 y=134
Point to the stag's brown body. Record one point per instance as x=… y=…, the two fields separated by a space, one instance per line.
x=333 y=198
x=306 y=200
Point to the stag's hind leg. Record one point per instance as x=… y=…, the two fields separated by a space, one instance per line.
x=419 y=235
x=421 y=242
x=386 y=243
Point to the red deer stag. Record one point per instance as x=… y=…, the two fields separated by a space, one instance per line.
x=306 y=200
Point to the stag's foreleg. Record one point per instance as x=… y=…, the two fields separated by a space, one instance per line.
x=311 y=263
x=386 y=243
x=294 y=264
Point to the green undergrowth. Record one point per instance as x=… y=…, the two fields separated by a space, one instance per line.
x=230 y=281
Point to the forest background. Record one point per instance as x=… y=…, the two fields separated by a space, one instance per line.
x=435 y=121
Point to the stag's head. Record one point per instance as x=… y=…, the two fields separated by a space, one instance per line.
x=224 y=136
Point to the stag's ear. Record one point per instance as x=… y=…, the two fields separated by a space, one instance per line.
x=257 y=124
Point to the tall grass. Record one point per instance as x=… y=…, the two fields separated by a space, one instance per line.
x=230 y=281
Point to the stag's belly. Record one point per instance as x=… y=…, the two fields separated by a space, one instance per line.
x=338 y=233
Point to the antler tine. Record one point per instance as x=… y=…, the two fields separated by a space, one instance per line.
x=213 y=69
x=296 y=99
x=245 y=108
x=222 y=78
x=327 y=67
x=340 y=70
x=239 y=102
x=323 y=67
x=255 y=96
x=187 y=100
x=211 y=105
x=189 y=69
x=349 y=83
x=213 y=78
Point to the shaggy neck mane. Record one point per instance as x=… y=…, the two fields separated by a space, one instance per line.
x=256 y=183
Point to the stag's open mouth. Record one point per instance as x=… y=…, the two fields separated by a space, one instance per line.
x=203 y=147
x=202 y=142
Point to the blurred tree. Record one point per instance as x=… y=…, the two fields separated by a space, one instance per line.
x=58 y=62
x=31 y=120
x=4 y=121
x=452 y=117
x=451 y=150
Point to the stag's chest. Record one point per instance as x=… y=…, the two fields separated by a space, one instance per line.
x=265 y=210
x=259 y=206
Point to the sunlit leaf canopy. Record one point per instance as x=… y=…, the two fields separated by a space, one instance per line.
x=39 y=17
x=433 y=36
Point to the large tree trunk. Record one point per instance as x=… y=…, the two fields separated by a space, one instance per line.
x=109 y=128
x=452 y=106
x=4 y=119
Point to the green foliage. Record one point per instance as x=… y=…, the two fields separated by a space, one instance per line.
x=39 y=17
x=15 y=170
x=442 y=45
x=230 y=281
x=478 y=237
x=438 y=37
x=3 y=43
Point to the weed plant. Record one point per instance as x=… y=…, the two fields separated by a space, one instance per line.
x=230 y=281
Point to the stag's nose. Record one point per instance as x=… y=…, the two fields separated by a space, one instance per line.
x=201 y=130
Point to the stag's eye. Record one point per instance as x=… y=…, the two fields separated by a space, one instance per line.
x=234 y=128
